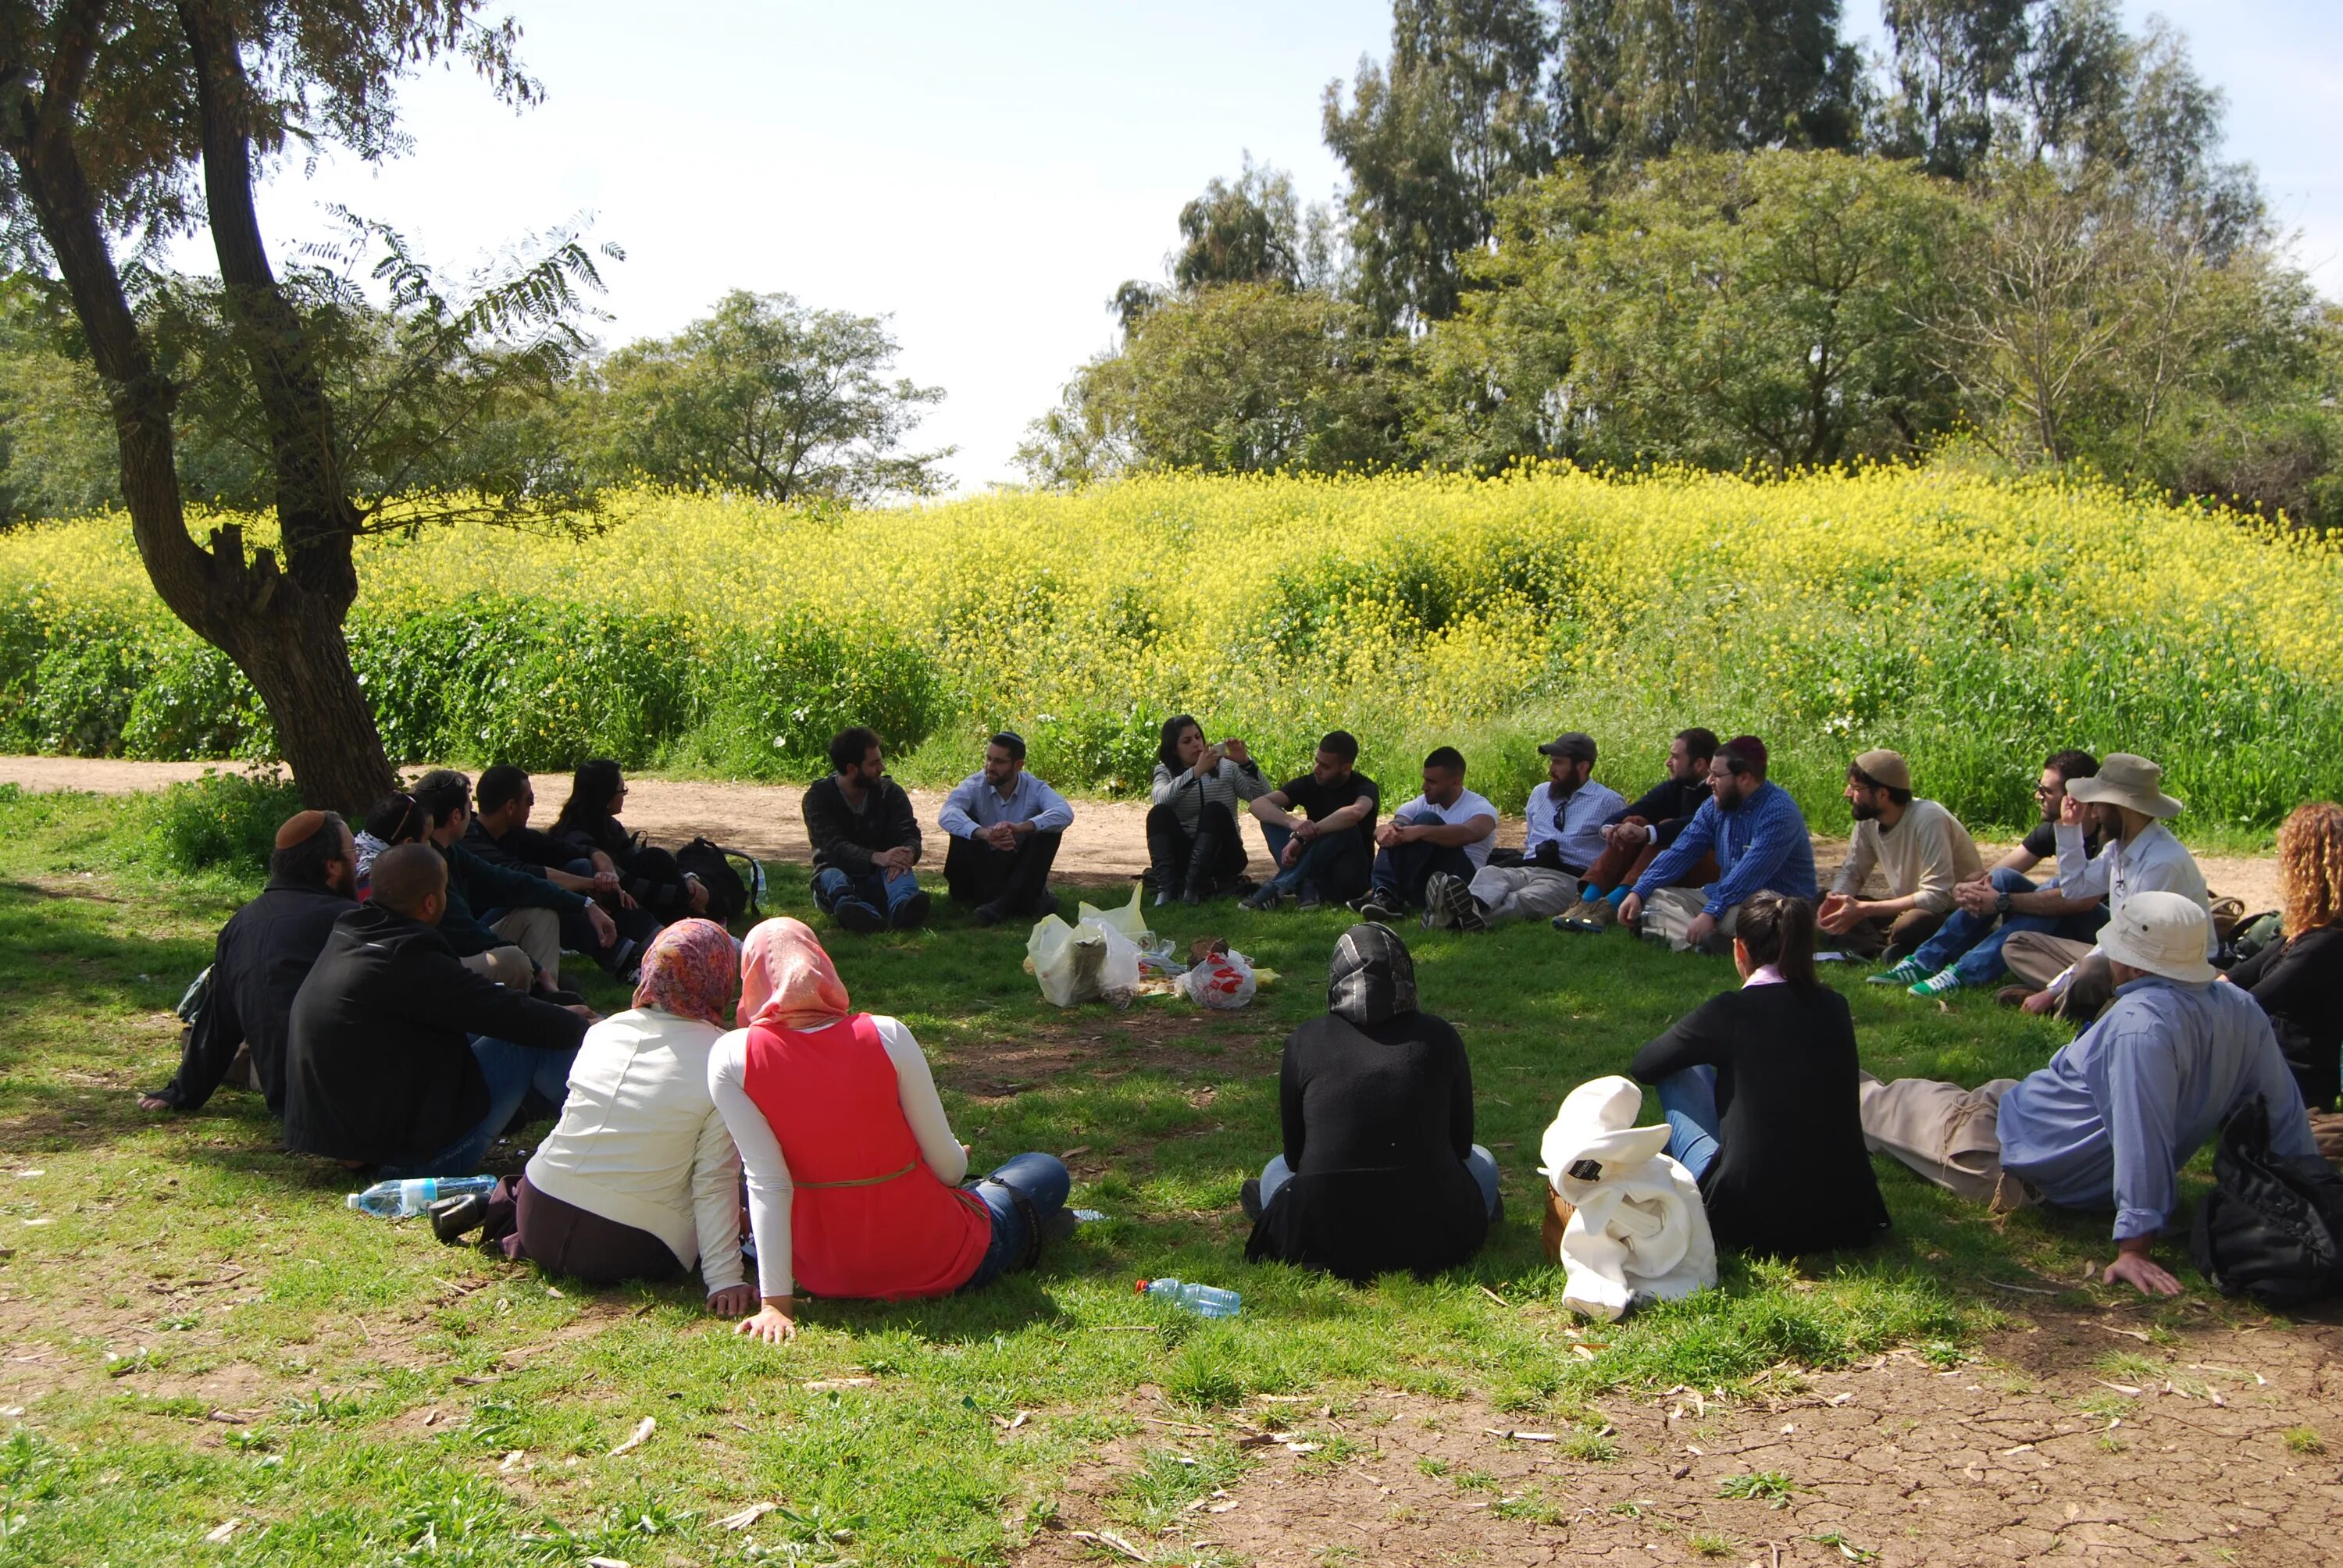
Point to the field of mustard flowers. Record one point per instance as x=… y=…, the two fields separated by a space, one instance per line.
x=1974 y=623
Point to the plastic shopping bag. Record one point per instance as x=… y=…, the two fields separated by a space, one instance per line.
x=1084 y=962
x=1221 y=979
x=1128 y=919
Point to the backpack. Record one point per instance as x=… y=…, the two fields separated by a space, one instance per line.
x=2272 y=1226
x=2248 y=937
x=729 y=893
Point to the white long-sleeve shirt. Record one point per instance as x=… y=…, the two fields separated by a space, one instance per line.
x=2155 y=862
x=639 y=1141
x=769 y=1187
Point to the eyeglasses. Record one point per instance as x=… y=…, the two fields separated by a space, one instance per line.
x=2045 y=791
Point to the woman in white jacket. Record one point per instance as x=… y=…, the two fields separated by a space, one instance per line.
x=638 y=1180
x=1193 y=842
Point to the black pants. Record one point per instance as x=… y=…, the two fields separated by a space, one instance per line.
x=1206 y=864
x=530 y=1226
x=1404 y=869
x=1017 y=879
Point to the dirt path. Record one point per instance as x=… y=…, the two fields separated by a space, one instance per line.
x=2076 y=1440
x=1106 y=843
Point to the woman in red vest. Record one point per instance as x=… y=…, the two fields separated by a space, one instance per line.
x=854 y=1176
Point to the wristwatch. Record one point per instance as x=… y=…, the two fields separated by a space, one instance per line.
x=2001 y=903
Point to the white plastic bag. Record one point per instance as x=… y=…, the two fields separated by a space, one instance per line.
x=1638 y=1226
x=1224 y=980
x=1128 y=919
x=1080 y=963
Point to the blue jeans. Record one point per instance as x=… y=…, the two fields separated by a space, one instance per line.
x=1044 y=1181
x=883 y=896
x=1335 y=862
x=1971 y=944
x=1480 y=1162
x=512 y=1070
x=1688 y=1102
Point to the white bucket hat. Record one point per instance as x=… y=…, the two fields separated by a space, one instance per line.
x=2125 y=780
x=2163 y=933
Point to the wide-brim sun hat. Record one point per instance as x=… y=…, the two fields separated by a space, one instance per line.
x=2162 y=933
x=2125 y=780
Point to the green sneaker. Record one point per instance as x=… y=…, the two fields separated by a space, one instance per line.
x=1903 y=974
x=1939 y=984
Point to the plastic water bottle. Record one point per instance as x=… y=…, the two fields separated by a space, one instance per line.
x=401 y=1200
x=1204 y=1301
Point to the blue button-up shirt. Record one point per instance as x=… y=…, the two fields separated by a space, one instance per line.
x=975 y=805
x=1760 y=844
x=2115 y=1114
x=1574 y=824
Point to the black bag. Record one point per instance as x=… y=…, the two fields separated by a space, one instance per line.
x=2272 y=1226
x=729 y=892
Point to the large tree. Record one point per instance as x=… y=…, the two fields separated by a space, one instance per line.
x=125 y=122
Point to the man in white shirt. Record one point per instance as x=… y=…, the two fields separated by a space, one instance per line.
x=1566 y=814
x=1447 y=828
x=2137 y=854
x=1921 y=849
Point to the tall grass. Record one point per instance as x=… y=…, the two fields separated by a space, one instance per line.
x=1974 y=624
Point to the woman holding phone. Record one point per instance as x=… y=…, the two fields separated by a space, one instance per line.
x=1193 y=844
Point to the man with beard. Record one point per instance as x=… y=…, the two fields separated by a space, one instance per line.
x=1921 y=847
x=1564 y=837
x=1634 y=835
x=1759 y=838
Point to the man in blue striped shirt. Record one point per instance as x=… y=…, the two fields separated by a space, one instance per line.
x=1759 y=838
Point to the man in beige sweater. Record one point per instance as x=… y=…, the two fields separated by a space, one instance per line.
x=1921 y=849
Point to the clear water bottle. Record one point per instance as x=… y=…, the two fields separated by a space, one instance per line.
x=1204 y=1301
x=401 y=1200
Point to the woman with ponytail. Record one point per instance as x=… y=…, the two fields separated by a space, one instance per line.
x=1759 y=1087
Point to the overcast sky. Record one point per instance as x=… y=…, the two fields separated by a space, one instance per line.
x=987 y=173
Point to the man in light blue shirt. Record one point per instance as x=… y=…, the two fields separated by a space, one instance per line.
x=2111 y=1119
x=1005 y=825
x=1758 y=836
x=1565 y=814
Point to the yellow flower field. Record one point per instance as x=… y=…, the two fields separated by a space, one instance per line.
x=1974 y=623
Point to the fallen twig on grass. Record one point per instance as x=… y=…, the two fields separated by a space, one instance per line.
x=2028 y=1290
x=1521 y=1436
x=643 y=1430
x=1109 y=1538
x=747 y=1516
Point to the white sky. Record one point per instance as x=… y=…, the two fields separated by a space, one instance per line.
x=988 y=173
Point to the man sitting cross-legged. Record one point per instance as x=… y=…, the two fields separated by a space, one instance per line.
x=2125 y=800
x=1634 y=836
x=1447 y=828
x=1759 y=838
x=1922 y=850
x=2118 y=1112
x=1566 y=814
x=1005 y=826
x=400 y=1056
x=499 y=836
x=263 y=953
x=1967 y=948
x=1324 y=855
x=865 y=840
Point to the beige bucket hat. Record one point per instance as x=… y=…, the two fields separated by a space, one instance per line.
x=2163 y=933
x=2125 y=780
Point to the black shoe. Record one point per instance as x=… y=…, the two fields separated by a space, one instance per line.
x=1191 y=897
x=562 y=998
x=453 y=1218
x=857 y=917
x=991 y=914
x=1059 y=1226
x=1312 y=900
x=1248 y=1198
x=912 y=913
x=1382 y=905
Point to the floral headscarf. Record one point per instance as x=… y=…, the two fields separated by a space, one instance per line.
x=787 y=981
x=691 y=969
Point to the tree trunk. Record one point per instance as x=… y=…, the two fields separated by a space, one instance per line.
x=300 y=665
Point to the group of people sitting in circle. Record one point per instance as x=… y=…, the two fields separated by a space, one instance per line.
x=397 y=992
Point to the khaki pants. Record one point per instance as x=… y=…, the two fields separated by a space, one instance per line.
x=1523 y=893
x=1892 y=940
x=537 y=933
x=1669 y=913
x=1943 y=1131
x=2037 y=959
x=506 y=966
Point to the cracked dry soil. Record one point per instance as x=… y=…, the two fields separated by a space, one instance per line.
x=2034 y=1453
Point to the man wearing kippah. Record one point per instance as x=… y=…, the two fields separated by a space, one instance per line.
x=1759 y=838
x=2112 y=1118
x=1919 y=846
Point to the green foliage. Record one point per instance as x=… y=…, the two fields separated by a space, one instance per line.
x=222 y=822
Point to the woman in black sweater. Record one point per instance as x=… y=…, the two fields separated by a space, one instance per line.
x=2299 y=981
x=1380 y=1171
x=1759 y=1085
x=590 y=820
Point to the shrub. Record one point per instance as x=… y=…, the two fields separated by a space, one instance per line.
x=194 y=703
x=222 y=822
x=769 y=701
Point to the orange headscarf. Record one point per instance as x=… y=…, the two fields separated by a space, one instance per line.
x=787 y=981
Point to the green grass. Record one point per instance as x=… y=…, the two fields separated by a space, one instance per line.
x=202 y=1332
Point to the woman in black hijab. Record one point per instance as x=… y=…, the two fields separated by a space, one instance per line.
x=1380 y=1171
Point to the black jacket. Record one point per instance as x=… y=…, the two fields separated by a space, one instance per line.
x=2299 y=983
x=379 y=1066
x=473 y=884
x=1378 y=1121
x=651 y=876
x=522 y=850
x=1665 y=808
x=263 y=953
x=1791 y=1173
x=846 y=839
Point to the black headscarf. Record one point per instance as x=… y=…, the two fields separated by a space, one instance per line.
x=1371 y=979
